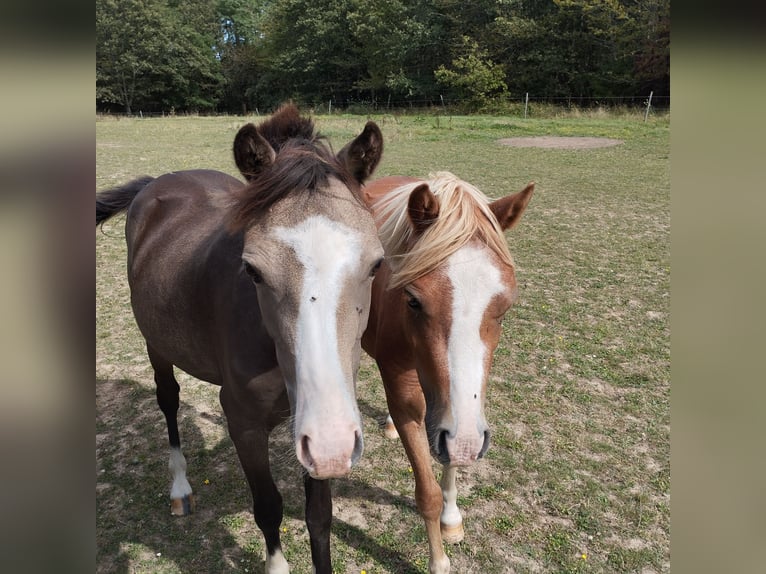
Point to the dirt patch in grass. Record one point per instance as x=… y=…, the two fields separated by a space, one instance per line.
x=558 y=142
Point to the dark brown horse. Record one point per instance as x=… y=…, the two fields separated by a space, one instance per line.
x=263 y=289
x=437 y=307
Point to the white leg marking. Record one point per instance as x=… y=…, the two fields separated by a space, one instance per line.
x=390 y=429
x=277 y=564
x=439 y=566
x=450 y=514
x=177 y=465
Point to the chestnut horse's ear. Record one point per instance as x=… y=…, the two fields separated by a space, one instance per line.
x=252 y=152
x=362 y=155
x=508 y=209
x=422 y=207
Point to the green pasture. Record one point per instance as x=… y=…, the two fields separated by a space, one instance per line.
x=578 y=475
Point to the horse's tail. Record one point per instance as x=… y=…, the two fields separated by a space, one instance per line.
x=116 y=200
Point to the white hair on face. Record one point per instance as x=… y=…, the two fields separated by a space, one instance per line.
x=325 y=407
x=327 y=250
x=475 y=281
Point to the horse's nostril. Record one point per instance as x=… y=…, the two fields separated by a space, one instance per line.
x=441 y=445
x=485 y=446
x=358 y=447
x=306 y=457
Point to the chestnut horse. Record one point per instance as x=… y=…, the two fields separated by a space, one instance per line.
x=435 y=320
x=263 y=289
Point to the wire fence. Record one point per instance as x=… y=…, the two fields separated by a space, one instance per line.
x=526 y=105
x=566 y=101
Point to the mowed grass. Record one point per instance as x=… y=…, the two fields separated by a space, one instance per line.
x=577 y=478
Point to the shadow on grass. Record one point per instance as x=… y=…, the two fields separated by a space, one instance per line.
x=375 y=413
x=133 y=521
x=387 y=557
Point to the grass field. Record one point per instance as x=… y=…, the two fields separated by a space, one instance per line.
x=578 y=475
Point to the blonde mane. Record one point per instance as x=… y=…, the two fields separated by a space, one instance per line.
x=464 y=214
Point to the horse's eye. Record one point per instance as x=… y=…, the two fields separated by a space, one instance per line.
x=413 y=302
x=375 y=267
x=254 y=274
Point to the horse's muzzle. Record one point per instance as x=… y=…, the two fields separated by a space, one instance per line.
x=324 y=461
x=457 y=451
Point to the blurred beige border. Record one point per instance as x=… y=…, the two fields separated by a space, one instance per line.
x=46 y=274
x=718 y=285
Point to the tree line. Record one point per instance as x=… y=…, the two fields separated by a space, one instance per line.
x=241 y=55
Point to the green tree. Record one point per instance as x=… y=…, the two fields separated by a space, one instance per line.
x=386 y=37
x=309 y=49
x=243 y=66
x=593 y=58
x=129 y=46
x=564 y=48
x=349 y=49
x=473 y=76
x=241 y=51
x=191 y=69
x=239 y=54
x=157 y=54
x=650 y=45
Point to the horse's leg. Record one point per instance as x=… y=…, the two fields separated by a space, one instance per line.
x=451 y=520
x=253 y=450
x=318 y=521
x=407 y=407
x=181 y=498
x=250 y=435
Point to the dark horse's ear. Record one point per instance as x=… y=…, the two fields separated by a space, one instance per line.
x=422 y=207
x=508 y=209
x=252 y=152
x=362 y=155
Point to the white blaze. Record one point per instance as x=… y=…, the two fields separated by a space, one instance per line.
x=475 y=281
x=328 y=251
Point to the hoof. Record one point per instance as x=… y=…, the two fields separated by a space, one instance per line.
x=452 y=534
x=390 y=431
x=182 y=506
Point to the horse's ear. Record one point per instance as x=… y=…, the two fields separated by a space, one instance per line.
x=362 y=155
x=508 y=209
x=252 y=152
x=422 y=207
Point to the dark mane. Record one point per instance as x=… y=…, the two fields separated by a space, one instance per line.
x=287 y=124
x=304 y=163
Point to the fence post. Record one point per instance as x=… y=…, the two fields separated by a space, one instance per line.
x=648 y=105
x=329 y=107
x=526 y=102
